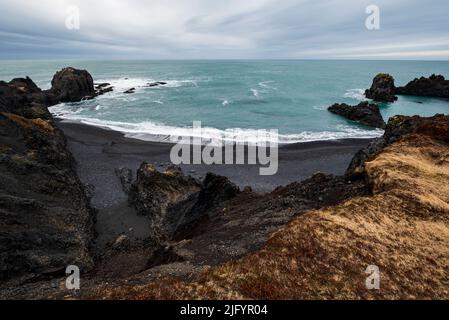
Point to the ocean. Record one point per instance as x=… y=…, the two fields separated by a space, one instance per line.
x=291 y=96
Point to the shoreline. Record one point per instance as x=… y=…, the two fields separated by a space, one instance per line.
x=99 y=152
x=326 y=156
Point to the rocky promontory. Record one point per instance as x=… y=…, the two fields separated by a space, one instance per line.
x=434 y=86
x=45 y=218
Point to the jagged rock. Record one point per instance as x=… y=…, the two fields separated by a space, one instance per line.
x=364 y=113
x=126 y=178
x=398 y=127
x=382 y=89
x=102 y=85
x=102 y=88
x=173 y=202
x=215 y=190
x=130 y=91
x=45 y=217
x=25 y=85
x=164 y=197
x=156 y=84
x=71 y=85
x=434 y=86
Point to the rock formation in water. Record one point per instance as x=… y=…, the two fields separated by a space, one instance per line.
x=365 y=113
x=382 y=89
x=434 y=86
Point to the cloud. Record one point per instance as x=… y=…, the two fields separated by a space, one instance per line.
x=184 y=29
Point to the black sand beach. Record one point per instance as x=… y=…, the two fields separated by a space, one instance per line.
x=99 y=152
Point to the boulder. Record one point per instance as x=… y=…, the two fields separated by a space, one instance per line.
x=434 y=86
x=365 y=113
x=164 y=197
x=382 y=89
x=71 y=85
x=129 y=91
x=174 y=202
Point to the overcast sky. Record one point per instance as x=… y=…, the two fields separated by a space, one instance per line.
x=227 y=29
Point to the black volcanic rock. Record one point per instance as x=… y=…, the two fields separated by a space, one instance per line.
x=45 y=219
x=164 y=197
x=364 y=113
x=174 y=202
x=71 y=85
x=130 y=91
x=434 y=86
x=25 y=85
x=382 y=89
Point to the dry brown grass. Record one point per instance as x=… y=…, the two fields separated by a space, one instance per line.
x=403 y=228
x=38 y=123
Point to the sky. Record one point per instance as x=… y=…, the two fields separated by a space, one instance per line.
x=227 y=29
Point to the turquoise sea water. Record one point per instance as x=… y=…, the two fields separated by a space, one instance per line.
x=291 y=96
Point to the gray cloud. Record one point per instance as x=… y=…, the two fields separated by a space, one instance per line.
x=185 y=29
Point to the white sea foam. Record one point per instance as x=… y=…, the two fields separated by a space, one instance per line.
x=357 y=94
x=320 y=108
x=255 y=92
x=122 y=84
x=266 y=84
x=152 y=131
x=225 y=103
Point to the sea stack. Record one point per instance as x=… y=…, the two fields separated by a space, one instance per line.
x=382 y=89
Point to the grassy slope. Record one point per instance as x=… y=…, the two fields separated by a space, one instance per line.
x=403 y=228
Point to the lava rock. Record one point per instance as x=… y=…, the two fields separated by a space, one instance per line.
x=164 y=197
x=174 y=202
x=45 y=217
x=382 y=89
x=434 y=86
x=130 y=91
x=71 y=85
x=365 y=113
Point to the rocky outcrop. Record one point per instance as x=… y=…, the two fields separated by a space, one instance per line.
x=45 y=219
x=382 y=89
x=398 y=127
x=102 y=88
x=434 y=86
x=173 y=202
x=365 y=113
x=164 y=197
x=70 y=84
